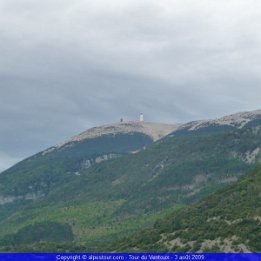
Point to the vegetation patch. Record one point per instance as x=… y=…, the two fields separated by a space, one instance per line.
x=40 y=232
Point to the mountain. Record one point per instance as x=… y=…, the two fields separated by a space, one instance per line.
x=61 y=163
x=111 y=181
x=226 y=221
x=36 y=176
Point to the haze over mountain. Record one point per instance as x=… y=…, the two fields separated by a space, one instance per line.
x=113 y=180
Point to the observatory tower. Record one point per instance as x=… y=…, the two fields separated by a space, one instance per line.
x=141 y=117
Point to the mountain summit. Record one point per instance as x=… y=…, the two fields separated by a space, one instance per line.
x=155 y=131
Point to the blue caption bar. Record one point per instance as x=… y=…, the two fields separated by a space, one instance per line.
x=129 y=257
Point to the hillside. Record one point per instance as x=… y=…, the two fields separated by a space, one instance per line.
x=103 y=191
x=226 y=221
x=36 y=176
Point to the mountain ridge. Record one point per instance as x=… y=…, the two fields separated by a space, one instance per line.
x=239 y=119
x=157 y=131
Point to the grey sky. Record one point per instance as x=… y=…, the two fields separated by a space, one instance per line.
x=69 y=65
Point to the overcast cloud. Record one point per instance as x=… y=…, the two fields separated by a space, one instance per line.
x=69 y=65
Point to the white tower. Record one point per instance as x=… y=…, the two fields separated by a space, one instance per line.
x=141 y=117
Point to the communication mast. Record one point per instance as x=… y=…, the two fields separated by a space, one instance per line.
x=141 y=117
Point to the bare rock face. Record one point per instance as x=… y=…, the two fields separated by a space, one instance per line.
x=154 y=130
x=238 y=120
